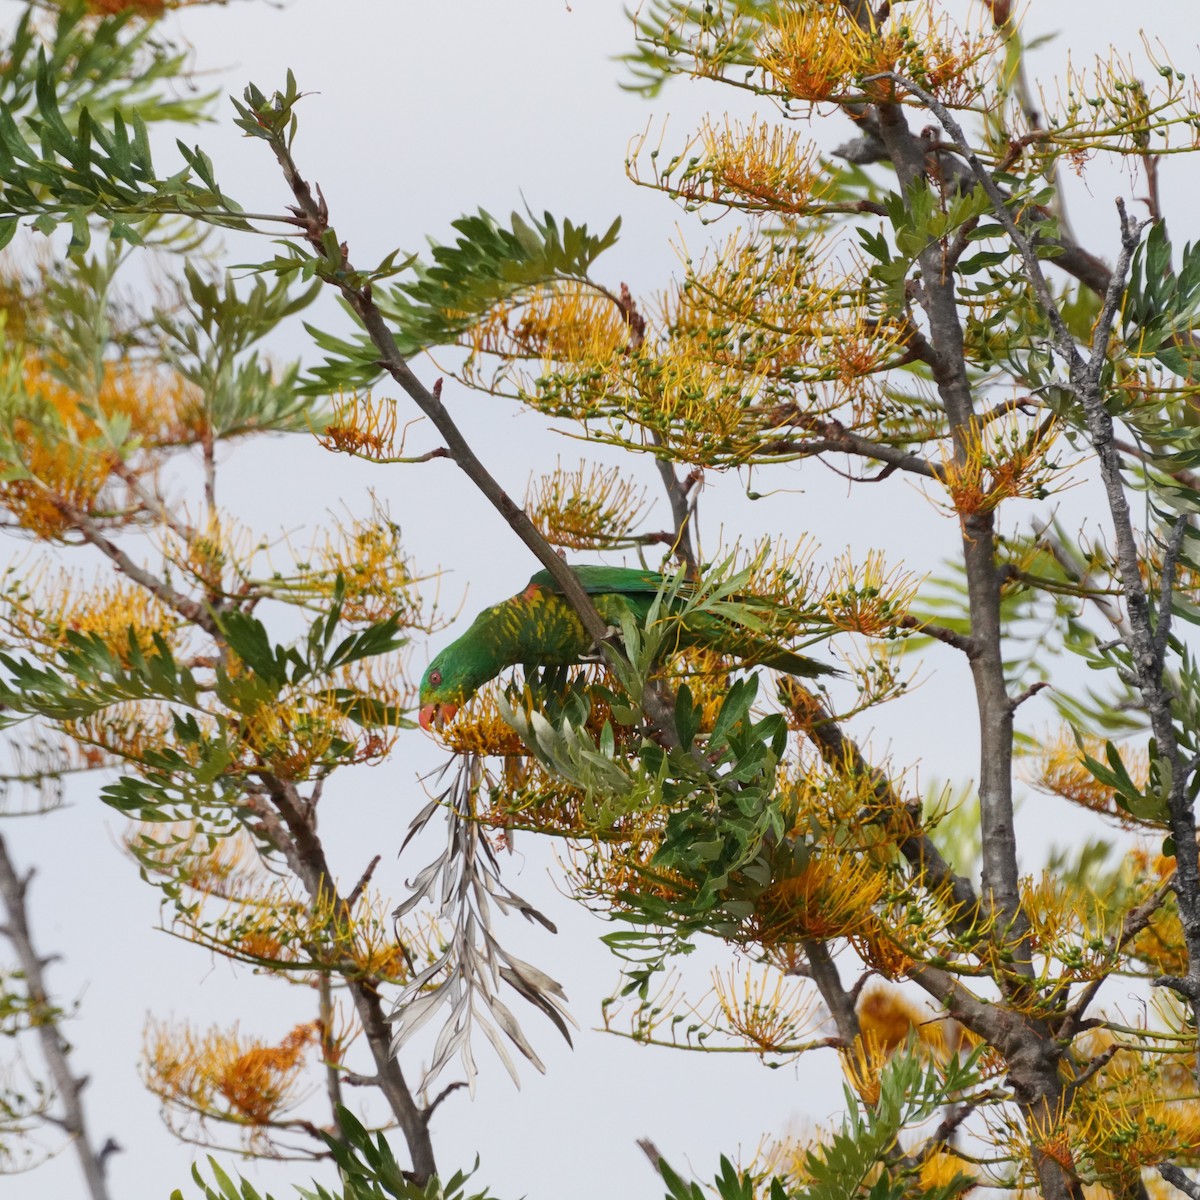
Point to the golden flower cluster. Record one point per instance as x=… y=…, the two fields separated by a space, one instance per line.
x=867 y=598
x=767 y=1009
x=831 y=896
x=756 y=168
x=63 y=456
x=565 y=323
x=1004 y=460
x=590 y=508
x=363 y=426
x=377 y=576
x=817 y=53
x=225 y=1074
x=1061 y=771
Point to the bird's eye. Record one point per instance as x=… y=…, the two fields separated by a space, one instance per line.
x=435 y=677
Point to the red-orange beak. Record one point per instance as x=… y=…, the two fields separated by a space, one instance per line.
x=434 y=716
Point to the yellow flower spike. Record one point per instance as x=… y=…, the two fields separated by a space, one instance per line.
x=816 y=51
x=227 y=867
x=780 y=571
x=214 y=553
x=758 y=168
x=377 y=576
x=831 y=896
x=59 y=441
x=811 y=52
x=604 y=871
x=531 y=797
x=1108 y=107
x=125 y=617
x=766 y=1008
x=478 y=728
x=40 y=608
x=590 y=508
x=226 y=1075
x=127 y=731
x=1068 y=927
x=568 y=323
x=361 y=425
x=863 y=1063
x=297 y=733
x=940 y=1168
x=1161 y=945
x=1060 y=771
x=291 y=735
x=1006 y=459
x=868 y=598
x=361 y=941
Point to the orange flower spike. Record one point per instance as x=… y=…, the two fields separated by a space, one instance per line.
x=868 y=599
x=1061 y=772
x=810 y=51
x=362 y=426
x=830 y=897
x=759 y=168
x=768 y=1010
x=590 y=508
x=863 y=1064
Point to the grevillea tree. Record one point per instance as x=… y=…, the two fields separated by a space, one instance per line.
x=914 y=307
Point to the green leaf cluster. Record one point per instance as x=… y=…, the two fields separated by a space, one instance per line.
x=367 y=1168
x=485 y=265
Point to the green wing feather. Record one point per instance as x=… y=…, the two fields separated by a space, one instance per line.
x=700 y=629
x=597 y=579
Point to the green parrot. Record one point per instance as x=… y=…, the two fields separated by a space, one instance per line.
x=538 y=627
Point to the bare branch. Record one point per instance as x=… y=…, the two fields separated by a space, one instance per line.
x=358 y=888
x=185 y=606
x=1179 y=1178
x=46 y=1024
x=824 y=973
x=940 y=633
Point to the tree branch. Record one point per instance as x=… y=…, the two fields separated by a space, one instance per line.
x=45 y=1019
x=1176 y=1177
x=843 y=753
x=824 y=973
x=185 y=606
x=313 y=218
x=1001 y=890
x=306 y=857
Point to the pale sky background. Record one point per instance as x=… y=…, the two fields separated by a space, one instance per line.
x=420 y=112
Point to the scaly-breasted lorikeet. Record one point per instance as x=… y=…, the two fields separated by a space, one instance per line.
x=538 y=627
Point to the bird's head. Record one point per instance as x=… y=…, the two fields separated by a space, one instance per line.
x=440 y=696
x=451 y=679
x=463 y=667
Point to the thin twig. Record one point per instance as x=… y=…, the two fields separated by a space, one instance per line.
x=960 y=641
x=1028 y=694
x=1094 y=1066
x=185 y=606
x=357 y=890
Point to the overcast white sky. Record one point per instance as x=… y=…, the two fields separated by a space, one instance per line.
x=420 y=112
